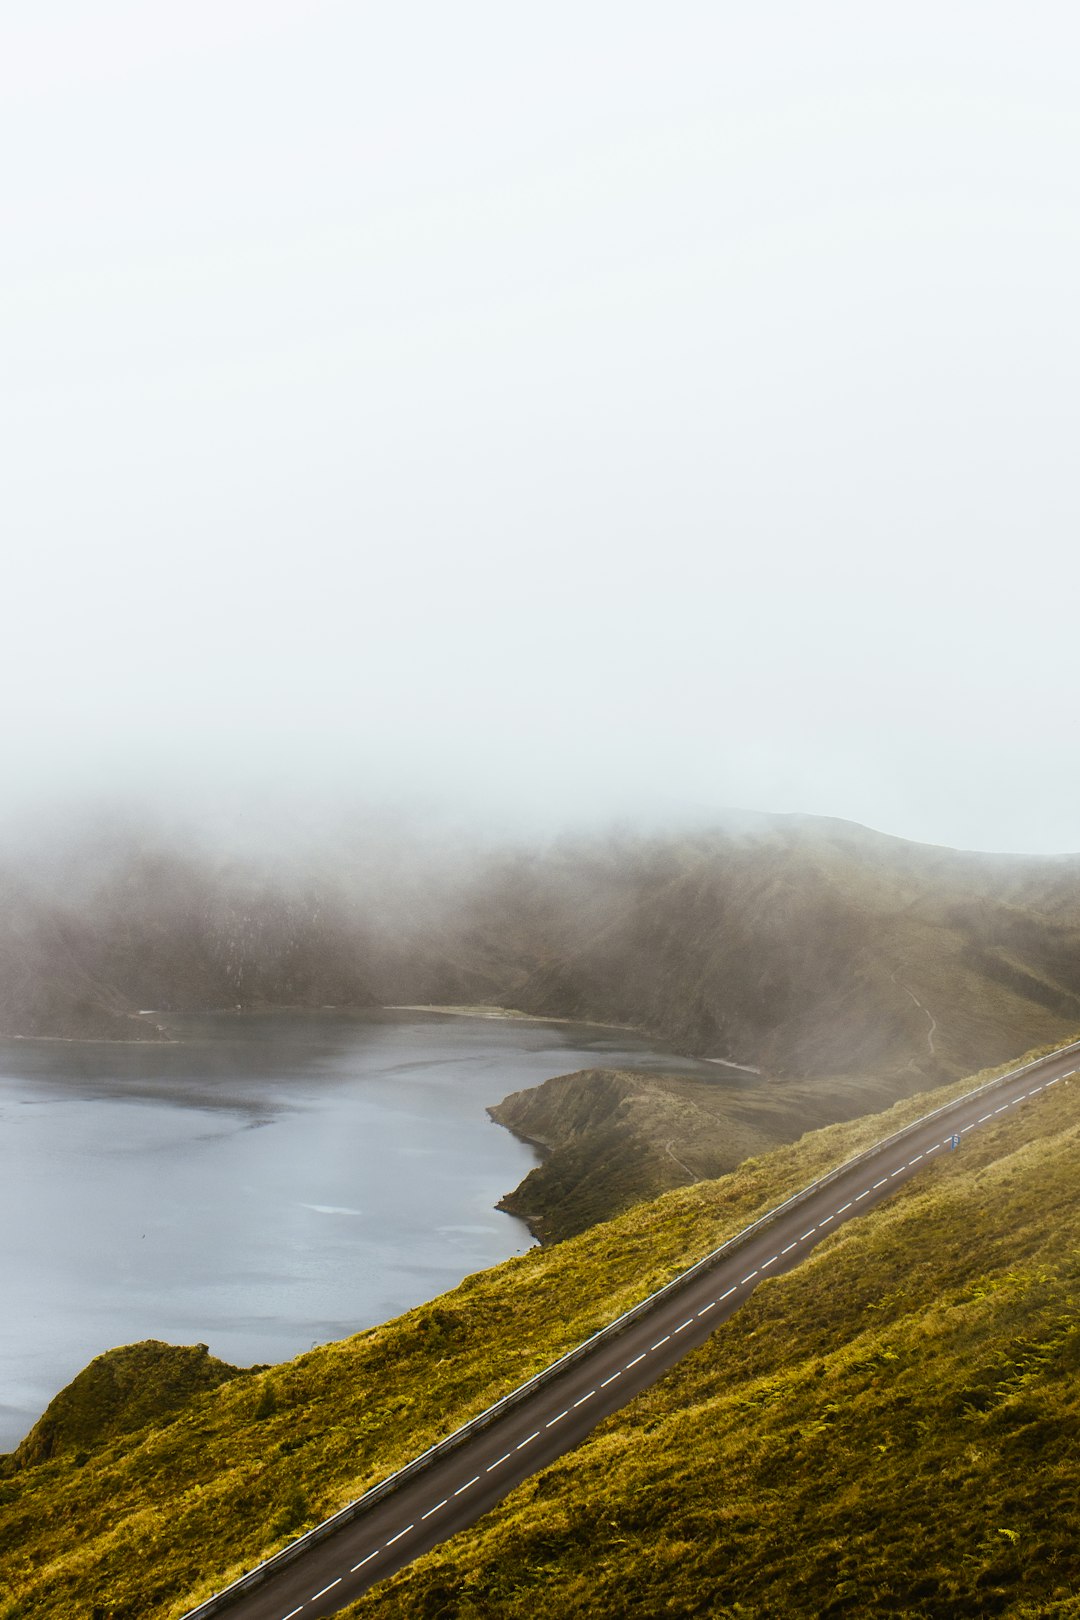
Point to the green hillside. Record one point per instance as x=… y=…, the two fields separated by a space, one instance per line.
x=613 y=1137
x=875 y=1420
x=891 y=1430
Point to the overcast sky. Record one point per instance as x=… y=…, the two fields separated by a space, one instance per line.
x=579 y=410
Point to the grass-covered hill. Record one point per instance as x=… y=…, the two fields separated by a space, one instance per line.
x=802 y=946
x=891 y=1429
x=612 y=1137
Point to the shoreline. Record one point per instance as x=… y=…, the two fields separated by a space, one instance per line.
x=512 y=1015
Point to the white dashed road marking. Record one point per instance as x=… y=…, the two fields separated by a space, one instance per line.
x=911 y=1163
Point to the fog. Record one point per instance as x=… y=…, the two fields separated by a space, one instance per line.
x=543 y=416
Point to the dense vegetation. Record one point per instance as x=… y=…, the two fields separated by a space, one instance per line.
x=869 y=1423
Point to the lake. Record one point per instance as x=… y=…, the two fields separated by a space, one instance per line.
x=266 y=1182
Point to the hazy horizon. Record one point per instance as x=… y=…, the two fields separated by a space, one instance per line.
x=535 y=420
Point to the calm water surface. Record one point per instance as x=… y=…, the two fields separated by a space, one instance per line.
x=266 y=1183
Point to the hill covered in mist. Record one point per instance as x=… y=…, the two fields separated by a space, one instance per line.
x=797 y=945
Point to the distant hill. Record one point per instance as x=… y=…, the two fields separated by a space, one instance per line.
x=801 y=946
x=810 y=946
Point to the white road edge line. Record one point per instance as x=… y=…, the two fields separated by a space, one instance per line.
x=983 y=1118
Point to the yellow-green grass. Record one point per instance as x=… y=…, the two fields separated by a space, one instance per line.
x=149 y=1522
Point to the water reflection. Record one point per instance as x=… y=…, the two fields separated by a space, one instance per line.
x=266 y=1182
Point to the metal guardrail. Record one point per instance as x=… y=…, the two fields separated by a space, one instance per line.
x=353 y=1510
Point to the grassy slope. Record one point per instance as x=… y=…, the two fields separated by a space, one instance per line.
x=151 y=1521
x=892 y=1429
x=121 y=1392
x=615 y=1137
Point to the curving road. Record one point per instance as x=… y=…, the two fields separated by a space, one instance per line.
x=454 y=1490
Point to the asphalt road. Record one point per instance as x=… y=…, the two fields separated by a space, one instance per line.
x=455 y=1490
